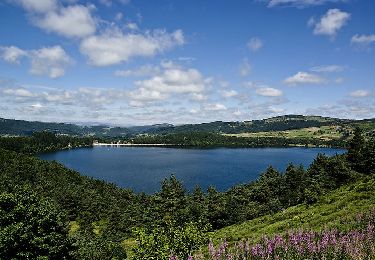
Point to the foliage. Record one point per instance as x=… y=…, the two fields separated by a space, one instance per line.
x=42 y=142
x=206 y=139
x=97 y=247
x=335 y=210
x=327 y=244
x=31 y=228
x=161 y=242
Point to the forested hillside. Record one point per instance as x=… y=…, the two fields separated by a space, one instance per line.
x=91 y=219
x=280 y=123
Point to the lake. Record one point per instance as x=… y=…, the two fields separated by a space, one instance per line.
x=143 y=168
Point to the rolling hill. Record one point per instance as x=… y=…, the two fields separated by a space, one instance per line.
x=342 y=127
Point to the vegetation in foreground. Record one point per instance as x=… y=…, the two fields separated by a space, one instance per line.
x=99 y=216
x=358 y=243
x=334 y=210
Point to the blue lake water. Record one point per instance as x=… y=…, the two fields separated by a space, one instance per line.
x=143 y=168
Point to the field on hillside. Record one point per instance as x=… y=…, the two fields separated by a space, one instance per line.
x=324 y=133
x=333 y=211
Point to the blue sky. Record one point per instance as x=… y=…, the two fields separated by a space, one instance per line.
x=135 y=62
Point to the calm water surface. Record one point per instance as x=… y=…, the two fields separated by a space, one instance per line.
x=143 y=168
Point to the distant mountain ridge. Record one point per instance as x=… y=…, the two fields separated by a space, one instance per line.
x=278 y=123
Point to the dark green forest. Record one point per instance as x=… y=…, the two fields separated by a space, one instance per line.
x=64 y=214
x=43 y=142
x=205 y=139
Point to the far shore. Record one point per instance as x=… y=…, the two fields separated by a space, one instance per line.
x=130 y=144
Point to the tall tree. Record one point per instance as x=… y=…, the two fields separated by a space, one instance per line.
x=356 y=149
x=31 y=228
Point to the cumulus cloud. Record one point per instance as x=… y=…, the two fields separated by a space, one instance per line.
x=304 y=78
x=175 y=80
x=245 y=68
x=347 y=108
x=360 y=93
x=198 y=97
x=268 y=92
x=73 y=21
x=18 y=92
x=168 y=80
x=12 y=54
x=132 y=26
x=40 y=6
x=142 y=71
x=114 y=47
x=330 y=23
x=300 y=3
x=50 y=61
x=276 y=110
x=228 y=93
x=214 y=107
x=109 y=3
x=327 y=68
x=255 y=44
x=363 y=40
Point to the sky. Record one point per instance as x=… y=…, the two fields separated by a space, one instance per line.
x=139 y=62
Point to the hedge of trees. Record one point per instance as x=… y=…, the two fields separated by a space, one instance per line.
x=89 y=218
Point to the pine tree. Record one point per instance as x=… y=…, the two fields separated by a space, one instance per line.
x=356 y=150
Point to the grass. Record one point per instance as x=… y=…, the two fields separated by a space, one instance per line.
x=325 y=133
x=334 y=210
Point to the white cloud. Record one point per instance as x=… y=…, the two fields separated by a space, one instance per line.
x=363 y=40
x=198 y=97
x=215 y=107
x=304 y=78
x=327 y=68
x=119 y=16
x=132 y=26
x=175 y=81
x=193 y=111
x=143 y=71
x=114 y=47
x=245 y=68
x=272 y=109
x=167 y=81
x=51 y=61
x=109 y=3
x=72 y=21
x=12 y=54
x=331 y=22
x=40 y=6
x=269 y=92
x=18 y=92
x=360 y=93
x=237 y=113
x=255 y=44
x=37 y=106
x=146 y=95
x=300 y=3
x=228 y=93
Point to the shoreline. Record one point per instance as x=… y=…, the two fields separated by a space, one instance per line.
x=129 y=144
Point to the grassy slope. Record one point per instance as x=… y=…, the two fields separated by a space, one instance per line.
x=324 y=132
x=329 y=132
x=333 y=210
